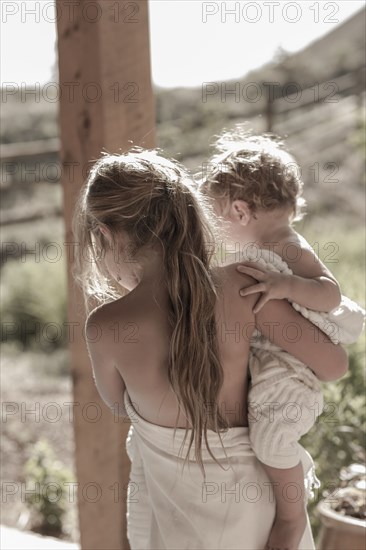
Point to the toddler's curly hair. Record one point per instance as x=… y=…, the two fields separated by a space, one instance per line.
x=256 y=169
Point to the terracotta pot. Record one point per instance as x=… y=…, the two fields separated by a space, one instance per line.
x=339 y=532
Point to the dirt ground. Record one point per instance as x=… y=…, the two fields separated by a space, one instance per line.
x=34 y=388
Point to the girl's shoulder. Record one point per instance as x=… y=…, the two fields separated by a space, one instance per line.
x=105 y=314
x=228 y=276
x=230 y=281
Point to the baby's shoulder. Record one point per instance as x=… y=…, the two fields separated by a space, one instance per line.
x=299 y=255
x=292 y=246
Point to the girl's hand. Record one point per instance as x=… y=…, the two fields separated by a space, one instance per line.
x=271 y=284
x=286 y=534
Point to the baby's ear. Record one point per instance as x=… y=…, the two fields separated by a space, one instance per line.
x=240 y=212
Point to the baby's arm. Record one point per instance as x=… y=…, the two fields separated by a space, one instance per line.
x=311 y=285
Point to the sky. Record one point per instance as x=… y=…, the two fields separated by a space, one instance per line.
x=192 y=41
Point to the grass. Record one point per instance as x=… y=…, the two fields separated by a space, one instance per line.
x=343 y=252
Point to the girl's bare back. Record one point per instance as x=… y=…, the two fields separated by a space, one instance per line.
x=141 y=351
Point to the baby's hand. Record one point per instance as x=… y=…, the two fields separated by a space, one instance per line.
x=271 y=284
x=286 y=534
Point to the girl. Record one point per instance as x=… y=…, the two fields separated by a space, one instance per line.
x=145 y=251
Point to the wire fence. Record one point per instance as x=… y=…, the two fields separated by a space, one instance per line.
x=316 y=116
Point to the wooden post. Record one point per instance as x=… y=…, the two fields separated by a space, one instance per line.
x=106 y=102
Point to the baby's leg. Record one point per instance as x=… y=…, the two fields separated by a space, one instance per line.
x=291 y=516
x=288 y=489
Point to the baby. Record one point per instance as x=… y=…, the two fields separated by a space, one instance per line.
x=256 y=190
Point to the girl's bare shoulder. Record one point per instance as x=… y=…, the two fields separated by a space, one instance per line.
x=230 y=282
x=120 y=331
x=228 y=275
x=108 y=315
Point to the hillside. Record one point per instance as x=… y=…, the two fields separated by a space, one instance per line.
x=324 y=128
x=340 y=52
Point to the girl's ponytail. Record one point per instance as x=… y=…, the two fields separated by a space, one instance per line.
x=154 y=201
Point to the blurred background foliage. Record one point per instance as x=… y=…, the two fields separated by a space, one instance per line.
x=49 y=485
x=34 y=304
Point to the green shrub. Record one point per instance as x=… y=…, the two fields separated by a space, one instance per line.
x=33 y=308
x=47 y=489
x=338 y=437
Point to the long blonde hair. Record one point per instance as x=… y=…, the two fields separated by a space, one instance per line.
x=154 y=200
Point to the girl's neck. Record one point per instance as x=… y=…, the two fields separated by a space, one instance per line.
x=146 y=269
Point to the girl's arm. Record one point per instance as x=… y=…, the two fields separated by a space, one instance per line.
x=288 y=329
x=107 y=379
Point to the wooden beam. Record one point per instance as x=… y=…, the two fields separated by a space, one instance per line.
x=106 y=102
